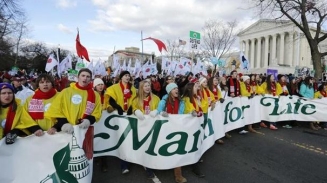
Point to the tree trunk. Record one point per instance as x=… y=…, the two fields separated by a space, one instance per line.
x=316 y=61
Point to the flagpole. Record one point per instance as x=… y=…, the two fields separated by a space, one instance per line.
x=142 y=45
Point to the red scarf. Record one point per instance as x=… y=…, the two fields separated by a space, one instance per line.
x=146 y=105
x=253 y=83
x=36 y=106
x=248 y=87
x=232 y=87
x=127 y=94
x=173 y=109
x=273 y=88
x=90 y=104
x=208 y=95
x=9 y=120
x=215 y=92
x=323 y=93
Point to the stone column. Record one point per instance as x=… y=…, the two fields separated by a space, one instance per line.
x=247 y=47
x=241 y=45
x=265 y=62
x=273 y=49
x=281 y=52
x=290 y=51
x=252 y=53
x=258 y=61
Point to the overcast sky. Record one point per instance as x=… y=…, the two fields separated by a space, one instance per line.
x=108 y=24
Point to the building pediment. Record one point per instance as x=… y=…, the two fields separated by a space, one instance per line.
x=265 y=24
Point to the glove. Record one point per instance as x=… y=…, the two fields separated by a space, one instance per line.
x=67 y=128
x=110 y=109
x=85 y=123
x=164 y=114
x=263 y=95
x=138 y=113
x=221 y=100
x=320 y=97
x=154 y=113
x=130 y=111
x=212 y=107
x=10 y=138
x=194 y=113
x=120 y=110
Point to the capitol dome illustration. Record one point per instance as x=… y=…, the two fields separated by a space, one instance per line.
x=78 y=164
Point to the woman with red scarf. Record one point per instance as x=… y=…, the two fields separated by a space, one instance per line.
x=120 y=98
x=272 y=88
x=172 y=104
x=39 y=103
x=121 y=94
x=233 y=85
x=15 y=121
x=76 y=105
x=145 y=103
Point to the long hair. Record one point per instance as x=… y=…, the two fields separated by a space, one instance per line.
x=269 y=83
x=188 y=91
x=307 y=81
x=210 y=83
x=140 y=94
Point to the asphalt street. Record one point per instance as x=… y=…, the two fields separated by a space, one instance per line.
x=297 y=155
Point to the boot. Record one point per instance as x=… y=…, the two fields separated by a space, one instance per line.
x=178 y=175
x=312 y=126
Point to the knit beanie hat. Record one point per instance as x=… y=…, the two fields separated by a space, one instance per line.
x=97 y=81
x=123 y=73
x=7 y=85
x=244 y=78
x=170 y=87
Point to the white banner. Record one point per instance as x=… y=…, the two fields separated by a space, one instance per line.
x=49 y=158
x=160 y=143
x=164 y=143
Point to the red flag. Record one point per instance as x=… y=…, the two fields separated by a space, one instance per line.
x=159 y=43
x=80 y=49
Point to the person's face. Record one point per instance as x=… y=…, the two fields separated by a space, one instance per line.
x=6 y=96
x=272 y=78
x=223 y=81
x=174 y=92
x=126 y=78
x=147 y=88
x=215 y=82
x=45 y=85
x=247 y=81
x=84 y=79
x=23 y=81
x=170 y=80
x=325 y=88
x=257 y=77
x=283 y=79
x=252 y=77
x=293 y=81
x=311 y=81
x=153 y=79
x=196 y=87
x=17 y=84
x=204 y=84
x=234 y=75
x=99 y=87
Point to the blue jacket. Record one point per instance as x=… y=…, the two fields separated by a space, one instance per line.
x=162 y=105
x=307 y=92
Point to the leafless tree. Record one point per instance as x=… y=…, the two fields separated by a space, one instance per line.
x=218 y=38
x=174 y=49
x=308 y=15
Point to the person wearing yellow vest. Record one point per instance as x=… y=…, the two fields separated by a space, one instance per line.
x=120 y=98
x=78 y=105
x=213 y=83
x=321 y=93
x=121 y=94
x=271 y=87
x=39 y=103
x=208 y=99
x=15 y=121
x=247 y=91
x=194 y=106
x=145 y=103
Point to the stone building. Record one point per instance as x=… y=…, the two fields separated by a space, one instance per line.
x=276 y=44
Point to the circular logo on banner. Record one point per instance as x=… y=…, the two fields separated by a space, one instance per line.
x=46 y=107
x=76 y=99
